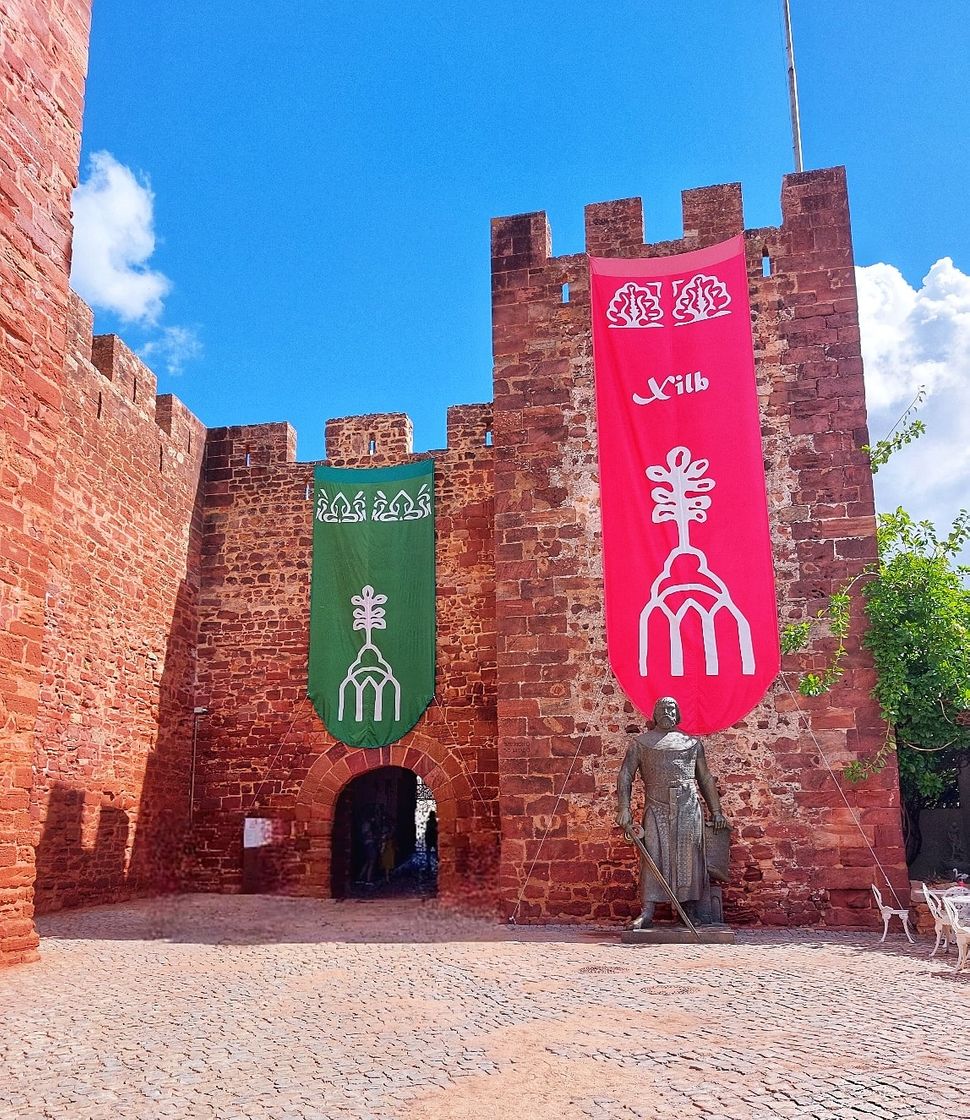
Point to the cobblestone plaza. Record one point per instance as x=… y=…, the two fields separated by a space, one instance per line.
x=257 y=1007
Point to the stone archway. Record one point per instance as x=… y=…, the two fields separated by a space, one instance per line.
x=377 y=847
x=437 y=766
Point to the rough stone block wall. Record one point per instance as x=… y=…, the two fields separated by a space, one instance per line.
x=147 y=567
x=114 y=729
x=262 y=749
x=799 y=857
x=43 y=58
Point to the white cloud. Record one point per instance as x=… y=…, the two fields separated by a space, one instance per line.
x=913 y=337
x=114 y=236
x=173 y=348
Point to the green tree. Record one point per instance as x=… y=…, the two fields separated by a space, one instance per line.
x=919 y=634
x=918 y=608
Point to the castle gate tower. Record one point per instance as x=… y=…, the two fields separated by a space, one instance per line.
x=799 y=854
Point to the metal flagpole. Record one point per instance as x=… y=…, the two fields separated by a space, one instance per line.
x=796 y=128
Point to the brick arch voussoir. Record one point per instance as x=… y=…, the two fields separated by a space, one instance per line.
x=434 y=762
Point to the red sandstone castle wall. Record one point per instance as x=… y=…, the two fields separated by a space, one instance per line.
x=797 y=856
x=43 y=57
x=263 y=751
x=113 y=740
x=102 y=519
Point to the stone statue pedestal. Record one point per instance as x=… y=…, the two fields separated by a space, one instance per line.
x=678 y=935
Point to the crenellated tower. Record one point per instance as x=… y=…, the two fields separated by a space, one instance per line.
x=800 y=857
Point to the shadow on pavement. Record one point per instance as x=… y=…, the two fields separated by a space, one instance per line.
x=264 y=920
x=253 y=919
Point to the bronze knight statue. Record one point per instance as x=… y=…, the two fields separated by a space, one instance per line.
x=672 y=767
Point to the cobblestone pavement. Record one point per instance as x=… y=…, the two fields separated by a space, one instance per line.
x=258 y=1008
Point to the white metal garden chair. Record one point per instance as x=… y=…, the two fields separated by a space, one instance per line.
x=887 y=913
x=959 y=922
x=941 y=919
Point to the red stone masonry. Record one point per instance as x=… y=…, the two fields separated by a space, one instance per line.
x=798 y=855
x=114 y=730
x=43 y=58
x=154 y=583
x=262 y=749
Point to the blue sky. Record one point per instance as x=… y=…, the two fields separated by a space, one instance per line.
x=315 y=238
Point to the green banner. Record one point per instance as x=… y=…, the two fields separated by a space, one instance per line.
x=372 y=601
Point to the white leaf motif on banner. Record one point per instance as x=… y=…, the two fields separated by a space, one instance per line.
x=369 y=671
x=699 y=298
x=402 y=507
x=636 y=305
x=682 y=496
x=340 y=509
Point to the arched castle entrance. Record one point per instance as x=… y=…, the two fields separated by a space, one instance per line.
x=378 y=838
x=318 y=806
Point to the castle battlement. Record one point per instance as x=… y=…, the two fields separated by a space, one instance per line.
x=249 y=445
x=115 y=399
x=810 y=201
x=111 y=379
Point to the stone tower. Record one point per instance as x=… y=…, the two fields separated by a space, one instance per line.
x=799 y=856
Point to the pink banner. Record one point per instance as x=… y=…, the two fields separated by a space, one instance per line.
x=689 y=584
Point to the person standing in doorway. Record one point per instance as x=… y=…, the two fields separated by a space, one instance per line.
x=388 y=854
x=431 y=837
x=368 y=843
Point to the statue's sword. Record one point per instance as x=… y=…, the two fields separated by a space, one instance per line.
x=648 y=859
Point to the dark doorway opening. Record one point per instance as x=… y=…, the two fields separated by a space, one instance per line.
x=382 y=845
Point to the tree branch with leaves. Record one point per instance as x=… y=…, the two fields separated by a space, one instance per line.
x=918 y=610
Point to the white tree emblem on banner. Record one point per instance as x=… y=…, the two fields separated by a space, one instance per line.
x=682 y=497
x=369 y=669
x=699 y=298
x=636 y=305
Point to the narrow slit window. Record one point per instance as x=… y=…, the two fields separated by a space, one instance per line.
x=100 y=405
x=371 y=446
x=249 y=458
x=190 y=444
x=765 y=262
x=565 y=293
x=488 y=437
x=308 y=493
x=134 y=389
x=161 y=457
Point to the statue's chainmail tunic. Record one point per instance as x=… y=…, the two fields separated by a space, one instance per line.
x=673 y=824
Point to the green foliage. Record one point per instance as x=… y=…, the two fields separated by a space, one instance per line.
x=904 y=431
x=919 y=634
x=918 y=608
x=796 y=636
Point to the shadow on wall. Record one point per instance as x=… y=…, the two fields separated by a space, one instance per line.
x=946 y=844
x=68 y=873
x=119 y=830
x=158 y=855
